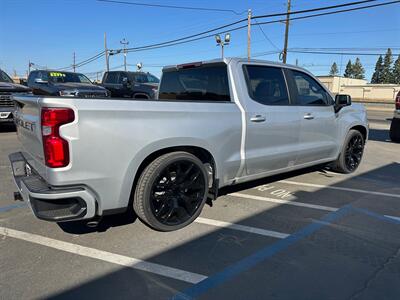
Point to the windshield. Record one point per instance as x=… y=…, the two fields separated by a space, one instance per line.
x=4 y=77
x=61 y=77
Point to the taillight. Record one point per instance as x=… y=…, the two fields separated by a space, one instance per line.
x=398 y=101
x=56 y=150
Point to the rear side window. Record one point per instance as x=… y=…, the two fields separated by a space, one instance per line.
x=112 y=77
x=266 y=85
x=204 y=83
x=308 y=91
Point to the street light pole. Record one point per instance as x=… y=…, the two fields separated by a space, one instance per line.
x=125 y=43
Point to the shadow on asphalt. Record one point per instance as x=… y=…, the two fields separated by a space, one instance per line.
x=379 y=135
x=7 y=128
x=353 y=257
x=107 y=222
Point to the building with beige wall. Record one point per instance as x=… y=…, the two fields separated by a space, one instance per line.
x=360 y=89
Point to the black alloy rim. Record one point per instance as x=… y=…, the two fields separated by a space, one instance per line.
x=177 y=192
x=354 y=151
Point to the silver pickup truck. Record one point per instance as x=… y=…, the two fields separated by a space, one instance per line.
x=214 y=124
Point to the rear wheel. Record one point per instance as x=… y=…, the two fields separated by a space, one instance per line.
x=351 y=154
x=395 y=130
x=171 y=191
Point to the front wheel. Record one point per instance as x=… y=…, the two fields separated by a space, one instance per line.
x=350 y=157
x=171 y=191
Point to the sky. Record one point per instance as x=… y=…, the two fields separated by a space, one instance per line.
x=48 y=32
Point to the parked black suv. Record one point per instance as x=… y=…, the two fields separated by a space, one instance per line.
x=138 y=85
x=7 y=88
x=67 y=84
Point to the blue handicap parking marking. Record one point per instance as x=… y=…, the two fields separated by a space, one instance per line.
x=271 y=250
x=11 y=207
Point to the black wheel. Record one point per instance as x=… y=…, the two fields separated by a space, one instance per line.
x=395 y=130
x=171 y=191
x=351 y=154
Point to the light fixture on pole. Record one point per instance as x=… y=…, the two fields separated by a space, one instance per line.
x=224 y=42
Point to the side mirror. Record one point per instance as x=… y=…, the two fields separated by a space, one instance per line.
x=41 y=81
x=342 y=101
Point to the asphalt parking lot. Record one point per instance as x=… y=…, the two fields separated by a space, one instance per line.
x=312 y=234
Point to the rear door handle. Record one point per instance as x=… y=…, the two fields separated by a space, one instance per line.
x=308 y=116
x=257 y=118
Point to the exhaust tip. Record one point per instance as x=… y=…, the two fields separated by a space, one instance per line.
x=93 y=223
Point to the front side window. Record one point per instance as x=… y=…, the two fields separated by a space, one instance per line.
x=308 y=91
x=200 y=83
x=266 y=85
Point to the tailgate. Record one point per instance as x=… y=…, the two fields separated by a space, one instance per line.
x=27 y=119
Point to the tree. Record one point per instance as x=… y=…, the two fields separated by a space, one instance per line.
x=358 y=70
x=377 y=76
x=387 y=76
x=348 y=72
x=396 y=71
x=334 y=69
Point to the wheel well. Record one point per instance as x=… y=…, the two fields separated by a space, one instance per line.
x=199 y=152
x=362 y=130
x=141 y=96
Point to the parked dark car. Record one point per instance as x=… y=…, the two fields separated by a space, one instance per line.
x=67 y=84
x=395 y=125
x=138 y=85
x=7 y=89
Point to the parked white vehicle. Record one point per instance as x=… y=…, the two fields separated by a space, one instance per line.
x=216 y=123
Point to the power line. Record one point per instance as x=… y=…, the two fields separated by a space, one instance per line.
x=333 y=12
x=295 y=12
x=175 y=6
x=340 y=53
x=198 y=36
x=266 y=37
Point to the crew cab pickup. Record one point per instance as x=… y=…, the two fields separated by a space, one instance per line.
x=215 y=123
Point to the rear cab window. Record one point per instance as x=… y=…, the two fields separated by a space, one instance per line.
x=266 y=85
x=207 y=82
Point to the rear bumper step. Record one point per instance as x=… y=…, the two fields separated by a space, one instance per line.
x=48 y=202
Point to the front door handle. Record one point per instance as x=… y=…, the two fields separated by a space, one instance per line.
x=257 y=118
x=308 y=116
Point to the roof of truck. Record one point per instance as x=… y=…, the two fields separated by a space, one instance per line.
x=237 y=59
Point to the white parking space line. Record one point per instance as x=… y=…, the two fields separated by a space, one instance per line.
x=340 y=188
x=394 y=218
x=280 y=201
x=294 y=203
x=244 y=228
x=117 y=259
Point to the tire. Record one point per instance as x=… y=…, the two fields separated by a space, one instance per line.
x=395 y=130
x=171 y=191
x=351 y=154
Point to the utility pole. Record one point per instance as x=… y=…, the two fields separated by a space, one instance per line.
x=125 y=43
x=248 y=33
x=73 y=64
x=286 y=33
x=106 y=51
